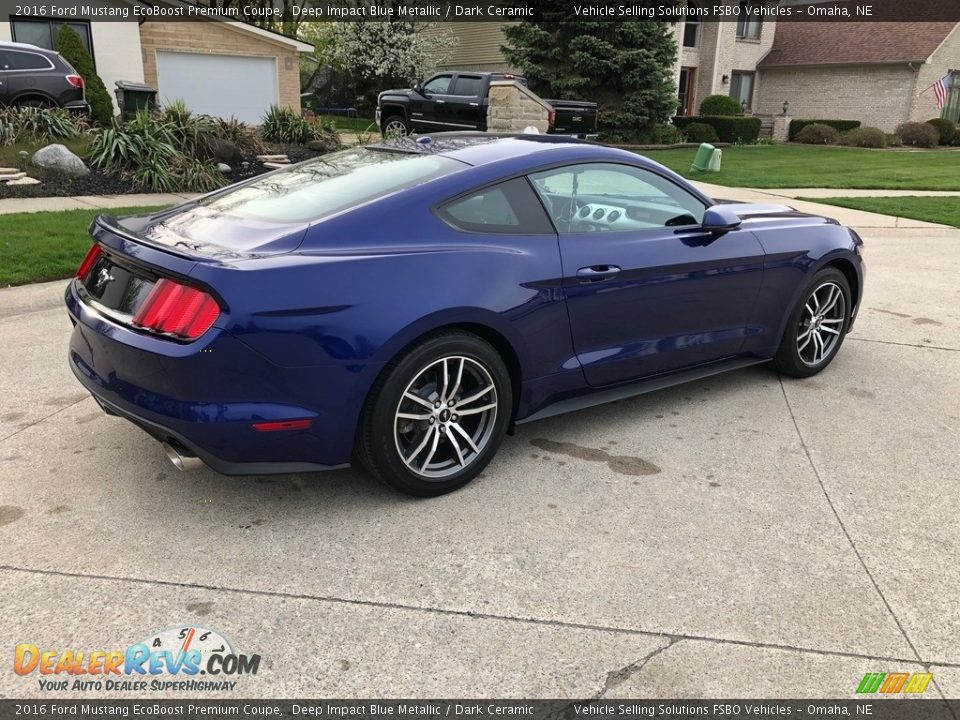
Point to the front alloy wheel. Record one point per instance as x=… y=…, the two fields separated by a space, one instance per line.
x=437 y=414
x=821 y=324
x=817 y=325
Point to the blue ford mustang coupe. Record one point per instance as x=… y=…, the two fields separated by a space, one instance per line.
x=407 y=304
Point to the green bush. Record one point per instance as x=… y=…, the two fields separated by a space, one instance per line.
x=152 y=152
x=37 y=124
x=71 y=47
x=720 y=105
x=238 y=133
x=865 y=137
x=729 y=129
x=946 y=128
x=287 y=126
x=699 y=132
x=841 y=126
x=919 y=134
x=190 y=132
x=818 y=134
x=893 y=140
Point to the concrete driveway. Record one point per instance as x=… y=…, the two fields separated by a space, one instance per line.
x=742 y=536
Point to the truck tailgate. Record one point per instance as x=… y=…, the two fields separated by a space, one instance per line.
x=574 y=117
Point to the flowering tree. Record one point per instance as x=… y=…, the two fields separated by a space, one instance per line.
x=379 y=55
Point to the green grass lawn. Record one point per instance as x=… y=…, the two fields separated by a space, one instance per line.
x=800 y=166
x=357 y=124
x=944 y=210
x=10 y=154
x=47 y=245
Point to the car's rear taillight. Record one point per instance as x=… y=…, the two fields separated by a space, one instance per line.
x=75 y=80
x=551 y=117
x=92 y=254
x=175 y=309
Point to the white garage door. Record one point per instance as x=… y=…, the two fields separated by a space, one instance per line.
x=220 y=85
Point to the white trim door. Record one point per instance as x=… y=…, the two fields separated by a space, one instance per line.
x=240 y=86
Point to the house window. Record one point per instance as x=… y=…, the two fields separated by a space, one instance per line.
x=748 y=26
x=741 y=88
x=43 y=33
x=691 y=28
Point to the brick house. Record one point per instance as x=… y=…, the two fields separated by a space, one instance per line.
x=221 y=68
x=878 y=73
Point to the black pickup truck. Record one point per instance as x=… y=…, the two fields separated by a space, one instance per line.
x=453 y=100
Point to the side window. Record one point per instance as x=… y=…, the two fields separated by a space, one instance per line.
x=467 y=85
x=607 y=197
x=508 y=208
x=438 y=85
x=27 y=61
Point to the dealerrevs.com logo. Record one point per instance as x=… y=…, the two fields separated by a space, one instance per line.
x=189 y=658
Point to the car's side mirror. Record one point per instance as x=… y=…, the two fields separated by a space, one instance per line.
x=418 y=89
x=719 y=219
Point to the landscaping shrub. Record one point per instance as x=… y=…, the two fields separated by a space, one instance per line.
x=946 y=128
x=729 y=129
x=699 y=132
x=238 y=133
x=919 y=134
x=151 y=152
x=288 y=126
x=37 y=124
x=720 y=105
x=893 y=140
x=191 y=133
x=818 y=134
x=865 y=137
x=841 y=126
x=71 y=47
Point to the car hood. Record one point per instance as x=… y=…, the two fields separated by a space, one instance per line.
x=197 y=231
x=753 y=211
x=407 y=92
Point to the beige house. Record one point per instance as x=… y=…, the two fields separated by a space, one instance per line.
x=879 y=73
x=221 y=68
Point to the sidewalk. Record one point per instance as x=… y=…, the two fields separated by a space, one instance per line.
x=86 y=202
x=846 y=216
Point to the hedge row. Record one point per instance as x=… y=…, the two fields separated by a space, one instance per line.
x=841 y=126
x=730 y=129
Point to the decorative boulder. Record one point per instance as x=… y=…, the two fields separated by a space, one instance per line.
x=224 y=168
x=59 y=158
x=221 y=151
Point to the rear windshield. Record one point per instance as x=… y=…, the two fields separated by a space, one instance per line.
x=319 y=188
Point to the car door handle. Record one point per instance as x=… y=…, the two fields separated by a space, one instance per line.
x=596 y=273
x=474 y=104
x=441 y=102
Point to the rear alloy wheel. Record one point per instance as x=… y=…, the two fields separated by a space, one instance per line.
x=438 y=416
x=395 y=126
x=817 y=326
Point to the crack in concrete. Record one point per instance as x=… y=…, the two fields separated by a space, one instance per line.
x=563 y=624
x=843 y=527
x=615 y=678
x=900 y=344
x=43 y=419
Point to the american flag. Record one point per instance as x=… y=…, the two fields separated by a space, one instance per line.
x=941 y=88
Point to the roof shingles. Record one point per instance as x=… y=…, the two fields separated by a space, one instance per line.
x=843 y=43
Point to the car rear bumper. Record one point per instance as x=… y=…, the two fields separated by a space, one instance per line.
x=204 y=397
x=80 y=107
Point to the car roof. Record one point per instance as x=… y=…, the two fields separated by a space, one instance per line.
x=480 y=148
x=21 y=46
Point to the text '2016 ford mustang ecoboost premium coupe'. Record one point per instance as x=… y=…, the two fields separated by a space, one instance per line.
x=406 y=304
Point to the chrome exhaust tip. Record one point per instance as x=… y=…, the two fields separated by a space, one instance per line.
x=180 y=461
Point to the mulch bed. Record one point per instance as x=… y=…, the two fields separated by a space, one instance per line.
x=100 y=183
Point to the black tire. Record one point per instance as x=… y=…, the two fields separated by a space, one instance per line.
x=396 y=121
x=803 y=326
x=381 y=433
